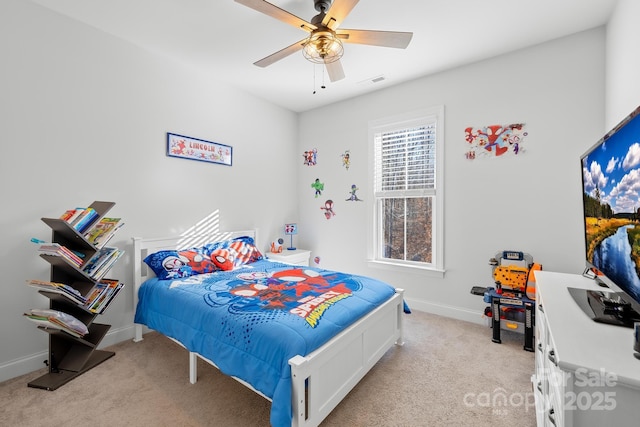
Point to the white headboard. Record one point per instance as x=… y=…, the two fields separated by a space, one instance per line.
x=143 y=247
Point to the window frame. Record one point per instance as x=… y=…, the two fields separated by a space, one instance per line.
x=415 y=118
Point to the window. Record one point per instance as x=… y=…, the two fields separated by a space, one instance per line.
x=407 y=189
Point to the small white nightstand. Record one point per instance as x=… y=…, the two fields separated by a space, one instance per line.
x=295 y=257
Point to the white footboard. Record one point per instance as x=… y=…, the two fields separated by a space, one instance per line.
x=320 y=380
x=323 y=378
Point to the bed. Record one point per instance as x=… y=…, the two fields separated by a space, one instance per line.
x=301 y=337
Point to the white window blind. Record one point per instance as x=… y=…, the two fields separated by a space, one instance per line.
x=406 y=161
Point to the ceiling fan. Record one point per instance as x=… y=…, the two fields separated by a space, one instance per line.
x=324 y=43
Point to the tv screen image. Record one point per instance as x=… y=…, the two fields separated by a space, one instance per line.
x=611 y=208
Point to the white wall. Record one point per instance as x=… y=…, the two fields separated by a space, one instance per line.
x=531 y=202
x=623 y=62
x=84 y=118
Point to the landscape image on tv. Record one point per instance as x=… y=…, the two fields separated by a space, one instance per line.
x=611 y=201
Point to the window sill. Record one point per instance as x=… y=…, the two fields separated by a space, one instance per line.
x=427 y=271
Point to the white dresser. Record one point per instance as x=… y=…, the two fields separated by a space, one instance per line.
x=294 y=257
x=585 y=372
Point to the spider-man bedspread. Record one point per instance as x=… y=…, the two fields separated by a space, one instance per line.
x=252 y=320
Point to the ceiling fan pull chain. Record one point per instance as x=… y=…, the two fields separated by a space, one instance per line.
x=323 y=86
x=314 y=78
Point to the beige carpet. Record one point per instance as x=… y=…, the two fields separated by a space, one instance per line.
x=448 y=373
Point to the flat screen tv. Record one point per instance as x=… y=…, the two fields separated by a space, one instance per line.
x=611 y=208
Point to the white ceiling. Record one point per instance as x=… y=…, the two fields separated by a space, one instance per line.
x=224 y=38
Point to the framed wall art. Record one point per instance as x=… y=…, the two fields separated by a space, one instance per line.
x=198 y=149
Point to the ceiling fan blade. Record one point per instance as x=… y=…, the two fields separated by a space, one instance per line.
x=335 y=71
x=277 y=13
x=395 y=39
x=281 y=54
x=337 y=12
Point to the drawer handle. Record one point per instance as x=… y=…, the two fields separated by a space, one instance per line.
x=539 y=386
x=540 y=347
x=552 y=418
x=541 y=308
x=552 y=357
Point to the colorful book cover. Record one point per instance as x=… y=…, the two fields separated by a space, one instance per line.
x=99 y=258
x=76 y=215
x=68 y=215
x=86 y=220
x=58 y=288
x=95 y=293
x=105 y=296
x=102 y=230
x=106 y=266
x=112 y=295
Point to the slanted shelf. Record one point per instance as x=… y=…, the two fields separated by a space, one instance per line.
x=66 y=235
x=69 y=355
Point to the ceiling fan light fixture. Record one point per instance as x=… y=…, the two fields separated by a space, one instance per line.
x=323 y=47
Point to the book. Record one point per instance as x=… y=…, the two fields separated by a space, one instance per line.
x=111 y=297
x=101 y=232
x=59 y=288
x=76 y=216
x=71 y=215
x=97 y=299
x=109 y=289
x=44 y=322
x=56 y=249
x=70 y=257
x=94 y=294
x=75 y=256
x=80 y=212
x=98 y=259
x=85 y=220
x=68 y=214
x=106 y=266
x=57 y=320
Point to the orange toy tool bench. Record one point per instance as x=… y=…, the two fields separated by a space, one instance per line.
x=512 y=301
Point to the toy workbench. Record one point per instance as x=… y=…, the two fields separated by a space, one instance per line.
x=512 y=301
x=513 y=312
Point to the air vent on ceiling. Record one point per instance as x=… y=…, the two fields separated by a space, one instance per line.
x=372 y=80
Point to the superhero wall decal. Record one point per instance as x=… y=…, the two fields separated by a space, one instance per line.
x=353 y=197
x=328 y=209
x=310 y=157
x=346 y=159
x=318 y=187
x=495 y=141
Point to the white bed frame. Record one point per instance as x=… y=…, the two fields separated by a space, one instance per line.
x=321 y=379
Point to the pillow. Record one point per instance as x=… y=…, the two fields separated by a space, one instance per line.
x=222 y=258
x=235 y=252
x=184 y=263
x=225 y=255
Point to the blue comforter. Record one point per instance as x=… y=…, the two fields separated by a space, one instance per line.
x=252 y=320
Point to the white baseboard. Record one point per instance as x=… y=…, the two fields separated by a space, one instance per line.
x=115 y=336
x=17 y=367
x=447 y=311
x=34 y=362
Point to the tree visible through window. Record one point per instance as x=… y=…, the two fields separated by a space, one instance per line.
x=407 y=229
x=405 y=191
